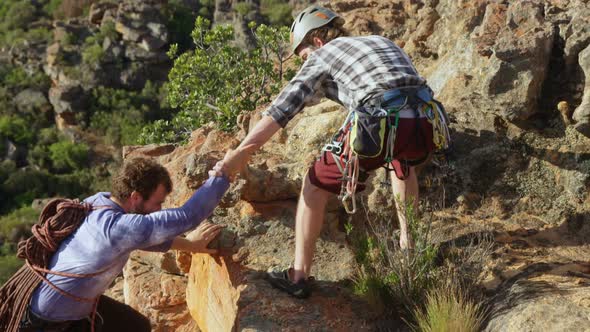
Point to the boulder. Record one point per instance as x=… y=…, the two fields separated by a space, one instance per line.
x=98 y=10
x=582 y=112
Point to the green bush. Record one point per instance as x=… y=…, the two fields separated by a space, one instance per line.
x=207 y=8
x=21 y=186
x=107 y=30
x=39 y=35
x=16 y=129
x=69 y=39
x=243 y=8
x=39 y=155
x=67 y=156
x=93 y=55
x=16 y=78
x=389 y=275
x=92 y=51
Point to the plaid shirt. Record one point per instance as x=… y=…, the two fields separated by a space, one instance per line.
x=348 y=70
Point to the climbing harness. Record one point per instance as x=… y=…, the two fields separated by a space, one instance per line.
x=362 y=135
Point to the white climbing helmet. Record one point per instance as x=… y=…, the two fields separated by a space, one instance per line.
x=310 y=18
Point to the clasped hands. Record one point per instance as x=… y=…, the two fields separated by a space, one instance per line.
x=233 y=163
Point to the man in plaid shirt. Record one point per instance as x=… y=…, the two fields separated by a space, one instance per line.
x=355 y=72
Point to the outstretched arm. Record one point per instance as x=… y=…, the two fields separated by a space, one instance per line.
x=260 y=134
x=156 y=231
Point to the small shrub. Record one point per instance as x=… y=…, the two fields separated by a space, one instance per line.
x=16 y=129
x=38 y=35
x=449 y=309
x=69 y=39
x=108 y=30
x=243 y=8
x=93 y=55
x=16 y=78
x=67 y=156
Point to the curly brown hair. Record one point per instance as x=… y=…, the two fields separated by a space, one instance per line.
x=326 y=33
x=142 y=175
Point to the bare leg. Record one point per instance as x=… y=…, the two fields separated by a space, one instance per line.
x=404 y=191
x=308 y=225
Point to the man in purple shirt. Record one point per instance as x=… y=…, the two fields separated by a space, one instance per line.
x=127 y=219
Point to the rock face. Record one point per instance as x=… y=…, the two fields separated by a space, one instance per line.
x=518 y=171
x=582 y=113
x=153 y=286
x=119 y=45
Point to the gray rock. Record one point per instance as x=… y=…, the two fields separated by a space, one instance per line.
x=98 y=10
x=135 y=53
x=582 y=113
x=578 y=34
x=151 y=44
x=158 y=30
x=127 y=31
x=11 y=150
x=224 y=241
x=31 y=100
x=538 y=305
x=576 y=182
x=67 y=98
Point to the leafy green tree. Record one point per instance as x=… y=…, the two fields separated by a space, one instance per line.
x=219 y=80
x=19 y=15
x=67 y=156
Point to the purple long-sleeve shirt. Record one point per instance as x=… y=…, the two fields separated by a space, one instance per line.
x=106 y=238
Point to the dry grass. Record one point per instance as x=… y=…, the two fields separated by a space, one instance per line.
x=449 y=309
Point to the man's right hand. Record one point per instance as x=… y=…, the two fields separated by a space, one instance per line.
x=198 y=240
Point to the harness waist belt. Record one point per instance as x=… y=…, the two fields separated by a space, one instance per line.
x=398 y=97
